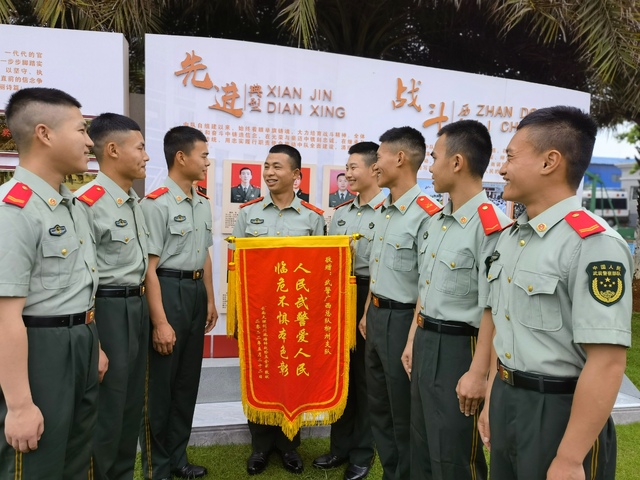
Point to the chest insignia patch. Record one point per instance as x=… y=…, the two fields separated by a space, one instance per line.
x=341 y=223
x=257 y=221
x=606 y=281
x=180 y=218
x=425 y=235
x=121 y=223
x=371 y=225
x=58 y=230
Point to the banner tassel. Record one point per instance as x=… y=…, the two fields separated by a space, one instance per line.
x=232 y=320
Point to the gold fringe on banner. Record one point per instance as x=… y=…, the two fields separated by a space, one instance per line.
x=311 y=417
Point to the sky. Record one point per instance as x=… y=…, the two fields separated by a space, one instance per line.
x=608 y=146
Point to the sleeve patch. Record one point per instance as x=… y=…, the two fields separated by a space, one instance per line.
x=606 y=282
x=92 y=195
x=19 y=195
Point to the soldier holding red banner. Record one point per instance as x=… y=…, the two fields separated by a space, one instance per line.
x=351 y=437
x=280 y=213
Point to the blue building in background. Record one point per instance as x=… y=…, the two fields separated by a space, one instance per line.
x=605 y=168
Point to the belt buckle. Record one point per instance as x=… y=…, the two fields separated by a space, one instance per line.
x=376 y=302
x=142 y=290
x=506 y=374
x=196 y=274
x=89 y=317
x=420 y=321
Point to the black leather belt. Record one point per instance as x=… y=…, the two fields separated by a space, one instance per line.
x=190 y=274
x=446 y=327
x=122 y=292
x=360 y=280
x=51 y=321
x=537 y=383
x=391 y=304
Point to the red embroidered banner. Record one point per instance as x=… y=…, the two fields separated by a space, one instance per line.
x=295 y=308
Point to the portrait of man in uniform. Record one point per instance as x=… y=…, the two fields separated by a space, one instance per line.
x=342 y=193
x=300 y=186
x=244 y=191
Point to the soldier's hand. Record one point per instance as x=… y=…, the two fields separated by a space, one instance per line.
x=483 y=427
x=471 y=389
x=362 y=326
x=23 y=427
x=562 y=468
x=407 y=358
x=103 y=364
x=212 y=317
x=164 y=338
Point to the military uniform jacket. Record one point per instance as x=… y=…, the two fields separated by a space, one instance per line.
x=180 y=228
x=351 y=218
x=393 y=264
x=48 y=253
x=238 y=194
x=451 y=258
x=335 y=200
x=552 y=290
x=262 y=218
x=119 y=229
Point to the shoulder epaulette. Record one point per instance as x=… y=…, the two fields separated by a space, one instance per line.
x=343 y=204
x=489 y=219
x=251 y=202
x=379 y=205
x=201 y=193
x=18 y=195
x=92 y=195
x=312 y=207
x=427 y=205
x=583 y=223
x=157 y=193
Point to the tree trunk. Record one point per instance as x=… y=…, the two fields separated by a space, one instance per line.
x=635 y=283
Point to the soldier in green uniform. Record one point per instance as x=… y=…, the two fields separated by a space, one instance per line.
x=49 y=342
x=351 y=437
x=560 y=296
x=443 y=340
x=393 y=266
x=181 y=305
x=122 y=313
x=280 y=213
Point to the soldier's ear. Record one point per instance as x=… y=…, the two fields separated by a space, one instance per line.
x=551 y=161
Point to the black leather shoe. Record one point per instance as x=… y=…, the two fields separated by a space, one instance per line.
x=190 y=471
x=291 y=461
x=328 y=461
x=257 y=463
x=355 y=472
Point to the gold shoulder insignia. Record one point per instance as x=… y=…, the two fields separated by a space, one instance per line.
x=312 y=207
x=158 y=192
x=428 y=205
x=489 y=219
x=92 y=195
x=583 y=223
x=18 y=195
x=251 y=202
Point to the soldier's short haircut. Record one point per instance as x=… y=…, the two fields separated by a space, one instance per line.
x=25 y=110
x=105 y=125
x=568 y=130
x=368 y=150
x=244 y=168
x=341 y=174
x=470 y=139
x=291 y=152
x=409 y=140
x=180 y=139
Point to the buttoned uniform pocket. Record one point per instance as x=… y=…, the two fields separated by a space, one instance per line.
x=121 y=250
x=256 y=231
x=453 y=272
x=399 y=252
x=180 y=233
x=494 y=286
x=58 y=262
x=363 y=246
x=535 y=303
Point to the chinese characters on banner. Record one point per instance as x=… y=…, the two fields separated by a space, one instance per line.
x=20 y=69
x=295 y=313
